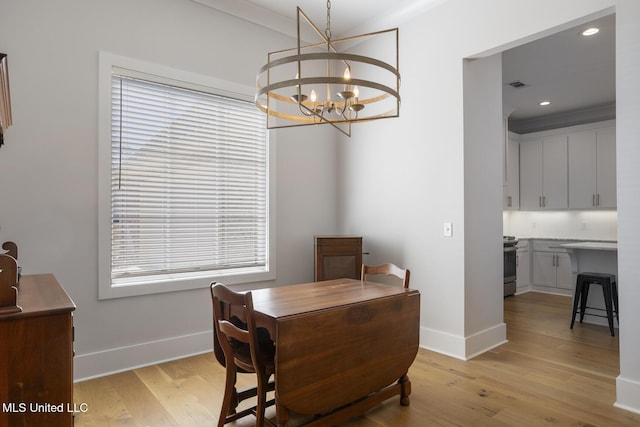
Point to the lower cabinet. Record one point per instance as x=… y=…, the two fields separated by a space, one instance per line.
x=523 y=266
x=551 y=269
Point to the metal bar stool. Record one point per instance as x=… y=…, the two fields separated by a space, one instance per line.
x=610 y=293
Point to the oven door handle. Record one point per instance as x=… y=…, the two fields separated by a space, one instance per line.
x=510 y=249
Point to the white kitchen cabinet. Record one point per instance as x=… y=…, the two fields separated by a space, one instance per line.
x=543 y=173
x=511 y=187
x=523 y=266
x=551 y=267
x=606 y=167
x=530 y=174
x=592 y=169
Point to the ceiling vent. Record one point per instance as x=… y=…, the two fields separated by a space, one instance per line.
x=516 y=84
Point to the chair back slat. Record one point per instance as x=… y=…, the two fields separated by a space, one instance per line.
x=232 y=331
x=388 y=269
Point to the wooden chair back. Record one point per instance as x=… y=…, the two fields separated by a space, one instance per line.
x=236 y=335
x=235 y=327
x=388 y=269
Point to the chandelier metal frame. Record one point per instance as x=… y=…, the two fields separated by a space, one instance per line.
x=291 y=101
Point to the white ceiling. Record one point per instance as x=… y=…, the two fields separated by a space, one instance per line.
x=348 y=17
x=567 y=69
x=571 y=71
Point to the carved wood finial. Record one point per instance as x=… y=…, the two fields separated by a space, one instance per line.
x=8 y=284
x=11 y=248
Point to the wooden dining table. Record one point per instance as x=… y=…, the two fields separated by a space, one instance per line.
x=342 y=346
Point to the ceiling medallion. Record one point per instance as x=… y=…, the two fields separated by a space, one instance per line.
x=326 y=81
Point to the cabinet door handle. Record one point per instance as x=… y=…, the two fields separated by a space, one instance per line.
x=593 y=200
x=598 y=199
x=540 y=201
x=509 y=201
x=544 y=201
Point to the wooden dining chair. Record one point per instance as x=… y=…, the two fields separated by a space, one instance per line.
x=388 y=269
x=243 y=351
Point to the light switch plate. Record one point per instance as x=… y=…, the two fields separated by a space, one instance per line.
x=448 y=229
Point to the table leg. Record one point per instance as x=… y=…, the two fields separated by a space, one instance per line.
x=405 y=390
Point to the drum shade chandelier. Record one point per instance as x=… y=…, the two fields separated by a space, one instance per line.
x=327 y=81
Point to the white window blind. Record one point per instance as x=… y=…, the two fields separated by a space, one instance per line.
x=188 y=183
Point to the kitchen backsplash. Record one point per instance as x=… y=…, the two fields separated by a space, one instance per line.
x=596 y=225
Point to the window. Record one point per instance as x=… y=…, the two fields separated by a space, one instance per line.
x=188 y=172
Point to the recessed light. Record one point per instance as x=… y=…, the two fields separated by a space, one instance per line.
x=545 y=103
x=590 y=31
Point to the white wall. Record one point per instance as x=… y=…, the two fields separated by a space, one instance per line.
x=48 y=166
x=418 y=161
x=628 y=178
x=483 y=136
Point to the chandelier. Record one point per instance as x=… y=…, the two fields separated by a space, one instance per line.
x=330 y=81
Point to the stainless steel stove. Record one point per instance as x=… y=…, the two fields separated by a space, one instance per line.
x=510 y=244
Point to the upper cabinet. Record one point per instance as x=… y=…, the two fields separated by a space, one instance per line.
x=511 y=184
x=570 y=168
x=543 y=173
x=592 y=169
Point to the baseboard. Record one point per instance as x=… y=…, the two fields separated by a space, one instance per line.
x=111 y=361
x=463 y=348
x=441 y=342
x=486 y=340
x=627 y=394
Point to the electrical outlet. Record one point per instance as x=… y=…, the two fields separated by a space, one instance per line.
x=448 y=229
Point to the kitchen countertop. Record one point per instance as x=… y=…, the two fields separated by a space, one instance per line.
x=592 y=245
x=567 y=239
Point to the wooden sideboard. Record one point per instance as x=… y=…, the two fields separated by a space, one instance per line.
x=36 y=356
x=337 y=257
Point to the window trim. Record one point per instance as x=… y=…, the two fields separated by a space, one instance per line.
x=164 y=74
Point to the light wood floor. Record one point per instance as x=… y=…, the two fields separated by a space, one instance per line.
x=546 y=375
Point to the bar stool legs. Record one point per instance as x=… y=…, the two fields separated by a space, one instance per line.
x=610 y=293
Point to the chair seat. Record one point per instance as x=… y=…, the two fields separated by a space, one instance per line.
x=597 y=276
